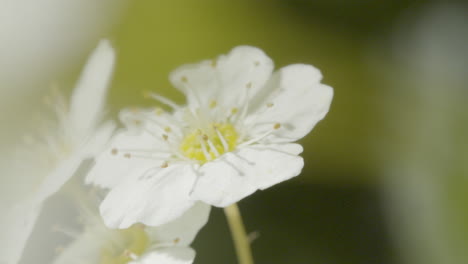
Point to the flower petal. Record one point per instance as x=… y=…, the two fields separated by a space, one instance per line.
x=100 y=139
x=88 y=98
x=237 y=174
x=153 y=200
x=17 y=224
x=59 y=176
x=293 y=98
x=181 y=231
x=172 y=255
x=127 y=156
x=230 y=80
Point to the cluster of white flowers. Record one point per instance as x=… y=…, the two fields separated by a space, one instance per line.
x=164 y=169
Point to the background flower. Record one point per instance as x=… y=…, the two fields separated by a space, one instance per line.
x=47 y=164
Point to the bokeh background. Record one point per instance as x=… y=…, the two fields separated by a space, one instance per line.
x=386 y=174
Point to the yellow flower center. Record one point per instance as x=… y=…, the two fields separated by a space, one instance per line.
x=206 y=145
x=129 y=243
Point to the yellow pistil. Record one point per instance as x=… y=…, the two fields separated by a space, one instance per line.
x=195 y=145
x=133 y=241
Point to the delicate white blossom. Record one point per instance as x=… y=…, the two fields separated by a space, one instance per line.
x=234 y=136
x=47 y=161
x=166 y=244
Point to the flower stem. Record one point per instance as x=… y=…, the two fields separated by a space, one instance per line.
x=239 y=236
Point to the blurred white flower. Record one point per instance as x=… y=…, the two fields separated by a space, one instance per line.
x=43 y=166
x=232 y=138
x=167 y=244
x=42 y=37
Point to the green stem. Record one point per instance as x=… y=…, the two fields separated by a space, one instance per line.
x=239 y=236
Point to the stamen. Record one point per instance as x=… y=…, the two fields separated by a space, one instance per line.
x=277 y=126
x=248 y=85
x=167 y=129
x=275 y=150
x=165 y=137
x=213 y=148
x=256 y=139
x=130 y=254
x=114 y=151
x=223 y=140
x=205 y=152
x=165 y=165
x=127 y=155
x=164 y=100
x=269 y=105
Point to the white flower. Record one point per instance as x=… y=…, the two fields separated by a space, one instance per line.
x=234 y=136
x=42 y=167
x=166 y=244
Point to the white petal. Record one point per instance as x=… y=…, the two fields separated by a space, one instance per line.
x=153 y=200
x=294 y=98
x=181 y=231
x=17 y=224
x=241 y=72
x=172 y=255
x=59 y=176
x=100 y=139
x=238 y=174
x=126 y=156
x=88 y=98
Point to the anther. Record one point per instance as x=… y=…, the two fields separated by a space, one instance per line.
x=158 y=111
x=256 y=63
x=269 y=105
x=234 y=110
x=277 y=126
x=165 y=137
x=213 y=104
x=165 y=165
x=114 y=151
x=249 y=85
x=184 y=79
x=167 y=129
x=129 y=254
x=177 y=240
x=127 y=155
x=59 y=250
x=137 y=122
x=205 y=137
